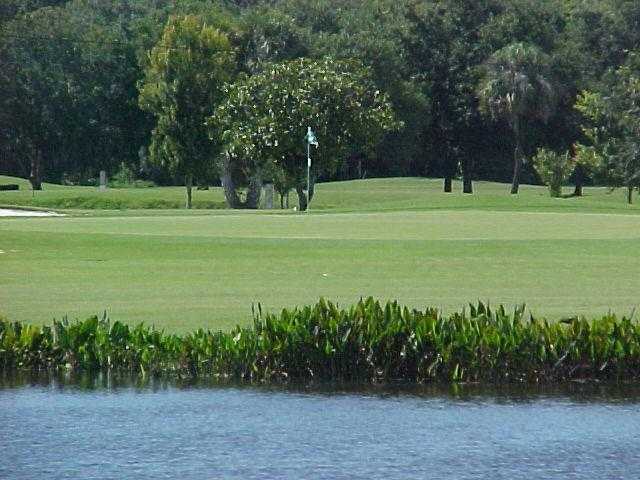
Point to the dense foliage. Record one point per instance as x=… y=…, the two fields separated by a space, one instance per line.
x=613 y=128
x=264 y=114
x=478 y=86
x=553 y=168
x=367 y=342
x=517 y=89
x=182 y=87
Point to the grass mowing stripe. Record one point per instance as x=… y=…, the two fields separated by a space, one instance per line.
x=187 y=282
x=392 y=226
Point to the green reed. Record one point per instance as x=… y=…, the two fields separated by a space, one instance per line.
x=368 y=342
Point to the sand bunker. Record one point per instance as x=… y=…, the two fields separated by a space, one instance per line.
x=6 y=212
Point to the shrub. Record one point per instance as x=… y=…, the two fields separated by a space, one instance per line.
x=9 y=186
x=553 y=168
x=123 y=178
x=368 y=342
x=96 y=202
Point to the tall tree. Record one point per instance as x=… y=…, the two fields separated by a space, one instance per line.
x=70 y=97
x=266 y=116
x=183 y=85
x=40 y=94
x=372 y=32
x=517 y=88
x=445 y=48
x=613 y=124
x=9 y=9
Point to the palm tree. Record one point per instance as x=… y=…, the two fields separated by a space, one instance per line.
x=517 y=88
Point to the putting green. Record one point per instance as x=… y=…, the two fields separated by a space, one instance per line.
x=187 y=271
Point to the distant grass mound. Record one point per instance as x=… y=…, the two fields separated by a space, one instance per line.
x=425 y=194
x=368 y=342
x=90 y=198
x=372 y=195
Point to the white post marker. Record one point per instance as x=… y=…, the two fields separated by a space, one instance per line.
x=311 y=140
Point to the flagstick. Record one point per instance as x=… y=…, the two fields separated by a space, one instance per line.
x=308 y=174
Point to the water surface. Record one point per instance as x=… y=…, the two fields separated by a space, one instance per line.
x=163 y=431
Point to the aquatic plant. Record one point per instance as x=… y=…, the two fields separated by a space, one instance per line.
x=368 y=342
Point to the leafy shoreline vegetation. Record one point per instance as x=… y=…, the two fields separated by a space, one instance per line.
x=368 y=342
x=221 y=92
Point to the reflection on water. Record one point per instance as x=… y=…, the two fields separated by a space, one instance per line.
x=108 y=427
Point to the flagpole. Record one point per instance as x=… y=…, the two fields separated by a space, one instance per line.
x=308 y=169
x=308 y=176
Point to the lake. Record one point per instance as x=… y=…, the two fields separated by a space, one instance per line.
x=109 y=430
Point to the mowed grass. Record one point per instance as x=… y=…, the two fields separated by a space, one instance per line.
x=413 y=243
x=374 y=195
x=90 y=198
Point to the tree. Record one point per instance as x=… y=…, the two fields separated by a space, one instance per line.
x=71 y=69
x=69 y=97
x=445 y=49
x=9 y=9
x=41 y=97
x=183 y=85
x=266 y=115
x=598 y=35
x=553 y=168
x=374 y=32
x=613 y=124
x=517 y=88
x=587 y=162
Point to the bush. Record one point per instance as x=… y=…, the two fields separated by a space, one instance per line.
x=368 y=342
x=124 y=177
x=83 y=179
x=9 y=186
x=97 y=202
x=553 y=168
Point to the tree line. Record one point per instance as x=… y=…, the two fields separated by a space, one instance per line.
x=204 y=91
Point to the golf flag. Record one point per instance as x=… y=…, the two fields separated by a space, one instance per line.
x=311 y=137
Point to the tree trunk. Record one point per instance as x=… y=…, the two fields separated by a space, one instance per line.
x=281 y=201
x=448 y=187
x=254 y=192
x=577 y=192
x=286 y=203
x=467 y=175
x=629 y=195
x=517 y=158
x=517 y=166
x=35 y=178
x=228 y=185
x=188 y=183
x=302 y=198
x=231 y=192
x=467 y=184
x=579 y=180
x=254 y=189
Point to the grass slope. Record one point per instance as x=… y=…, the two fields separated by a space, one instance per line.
x=421 y=247
x=375 y=195
x=89 y=198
